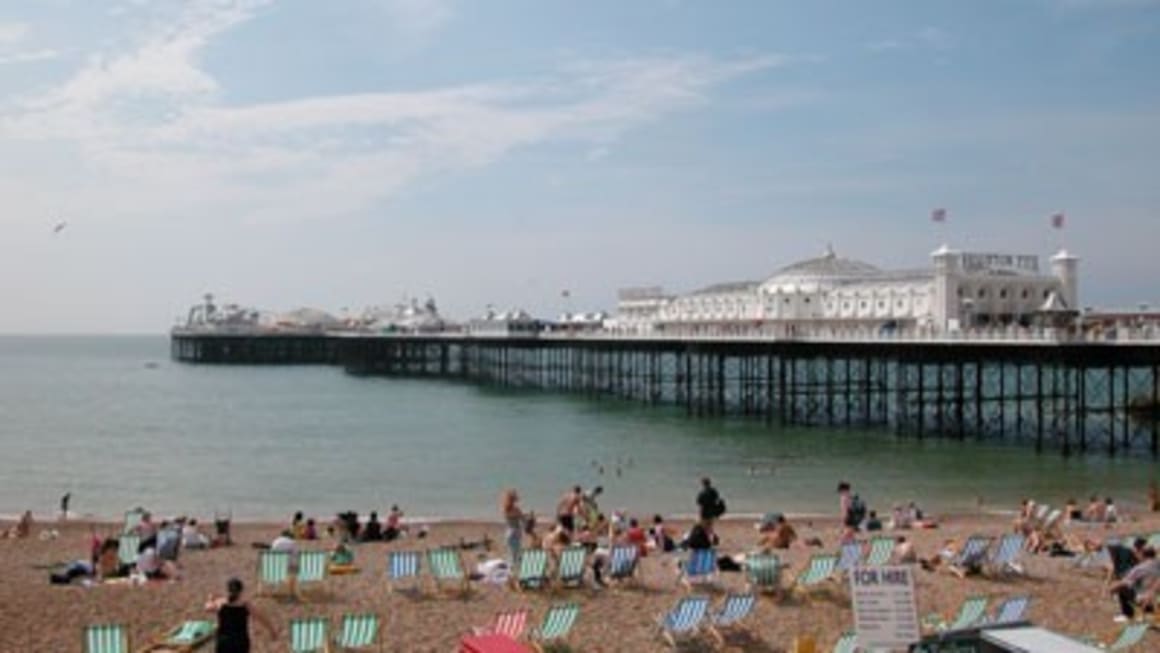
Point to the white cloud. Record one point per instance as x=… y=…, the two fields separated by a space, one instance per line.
x=417 y=21
x=926 y=38
x=12 y=33
x=29 y=56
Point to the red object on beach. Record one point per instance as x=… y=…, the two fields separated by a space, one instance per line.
x=491 y=643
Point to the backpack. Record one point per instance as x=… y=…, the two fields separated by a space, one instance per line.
x=720 y=508
x=857 y=511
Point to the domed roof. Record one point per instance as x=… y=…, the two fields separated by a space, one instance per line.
x=825 y=269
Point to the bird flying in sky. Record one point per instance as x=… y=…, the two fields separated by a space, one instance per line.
x=59 y=227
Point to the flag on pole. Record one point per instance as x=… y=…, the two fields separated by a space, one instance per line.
x=1057 y=220
x=938 y=215
x=565 y=293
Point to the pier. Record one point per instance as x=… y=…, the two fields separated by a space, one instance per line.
x=1073 y=398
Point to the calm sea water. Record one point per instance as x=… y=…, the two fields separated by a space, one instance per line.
x=92 y=416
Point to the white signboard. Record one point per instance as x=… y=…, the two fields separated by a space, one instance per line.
x=884 y=612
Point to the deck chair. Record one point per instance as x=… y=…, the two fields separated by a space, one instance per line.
x=402 y=565
x=446 y=568
x=105 y=638
x=308 y=635
x=1130 y=636
x=972 y=555
x=273 y=570
x=733 y=611
x=570 y=568
x=849 y=557
x=1051 y=521
x=1010 y=611
x=532 y=572
x=763 y=573
x=1006 y=555
x=972 y=610
x=622 y=562
x=312 y=568
x=1040 y=514
x=846 y=643
x=557 y=625
x=127 y=549
x=881 y=551
x=359 y=632
x=186 y=637
x=510 y=623
x=699 y=569
x=133 y=519
x=819 y=570
x=1154 y=540
x=683 y=621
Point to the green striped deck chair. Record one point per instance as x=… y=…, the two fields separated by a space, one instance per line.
x=273 y=569
x=127 y=549
x=881 y=551
x=446 y=567
x=312 y=566
x=532 y=572
x=847 y=643
x=819 y=570
x=188 y=636
x=763 y=573
x=1130 y=636
x=106 y=638
x=402 y=565
x=133 y=519
x=557 y=625
x=570 y=568
x=972 y=611
x=360 y=632
x=308 y=635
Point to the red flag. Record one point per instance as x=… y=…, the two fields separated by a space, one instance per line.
x=1057 y=221
x=938 y=215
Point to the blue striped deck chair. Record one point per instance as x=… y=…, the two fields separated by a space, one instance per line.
x=312 y=567
x=971 y=556
x=1130 y=636
x=1010 y=611
x=273 y=570
x=308 y=635
x=881 y=551
x=972 y=611
x=700 y=568
x=847 y=643
x=1006 y=555
x=105 y=638
x=763 y=573
x=402 y=565
x=532 y=570
x=622 y=562
x=359 y=632
x=818 y=570
x=127 y=549
x=556 y=627
x=684 y=620
x=570 y=567
x=849 y=557
x=1098 y=558
x=733 y=612
x=446 y=568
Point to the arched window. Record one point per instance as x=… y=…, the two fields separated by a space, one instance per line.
x=982 y=293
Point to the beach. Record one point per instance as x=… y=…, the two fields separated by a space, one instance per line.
x=41 y=617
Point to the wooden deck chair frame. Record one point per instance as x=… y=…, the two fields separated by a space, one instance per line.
x=631 y=577
x=691 y=581
x=325 y=632
x=266 y=588
x=539 y=582
x=674 y=639
x=719 y=632
x=535 y=637
x=807 y=589
x=122 y=630
x=460 y=585
x=767 y=582
x=377 y=645
x=576 y=550
x=321 y=562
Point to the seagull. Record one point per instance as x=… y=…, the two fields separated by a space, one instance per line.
x=59 y=227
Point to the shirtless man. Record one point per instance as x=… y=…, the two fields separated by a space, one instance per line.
x=569 y=506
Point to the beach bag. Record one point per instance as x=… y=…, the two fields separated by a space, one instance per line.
x=719 y=509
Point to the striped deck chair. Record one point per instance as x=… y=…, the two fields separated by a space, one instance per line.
x=1040 y=514
x=819 y=570
x=622 y=562
x=1130 y=636
x=133 y=519
x=402 y=565
x=557 y=625
x=105 y=638
x=733 y=611
x=446 y=567
x=308 y=635
x=312 y=567
x=127 y=549
x=881 y=551
x=972 y=555
x=273 y=569
x=763 y=573
x=532 y=572
x=186 y=637
x=849 y=557
x=1052 y=520
x=570 y=568
x=359 y=632
x=684 y=621
x=699 y=569
x=847 y=643
x=972 y=610
x=1010 y=611
x=1098 y=558
x=510 y=623
x=1154 y=540
x=1006 y=555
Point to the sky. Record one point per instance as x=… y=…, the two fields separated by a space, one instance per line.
x=356 y=152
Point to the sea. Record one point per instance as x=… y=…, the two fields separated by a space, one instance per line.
x=116 y=423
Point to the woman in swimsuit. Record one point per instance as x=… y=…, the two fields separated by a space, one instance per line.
x=234 y=612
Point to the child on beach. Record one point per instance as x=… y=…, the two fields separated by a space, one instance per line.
x=233 y=613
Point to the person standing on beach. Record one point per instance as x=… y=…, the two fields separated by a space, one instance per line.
x=233 y=613
x=709 y=502
x=64 y=506
x=569 y=506
x=513 y=519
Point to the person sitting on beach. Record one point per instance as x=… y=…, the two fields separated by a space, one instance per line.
x=24 y=526
x=1095 y=510
x=1071 y=512
x=107 y=564
x=701 y=536
x=146 y=529
x=1122 y=558
x=1111 y=514
x=1024 y=522
x=873 y=523
x=556 y=540
x=947 y=553
x=781 y=537
x=395 y=526
x=568 y=507
x=662 y=539
x=593 y=533
x=168 y=541
x=904 y=553
x=373 y=530
x=298 y=526
x=341 y=555
x=1140 y=580
x=192 y=538
x=153 y=567
x=233 y=615
x=311 y=531
x=635 y=535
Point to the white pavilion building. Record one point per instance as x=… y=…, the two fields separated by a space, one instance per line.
x=833 y=296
